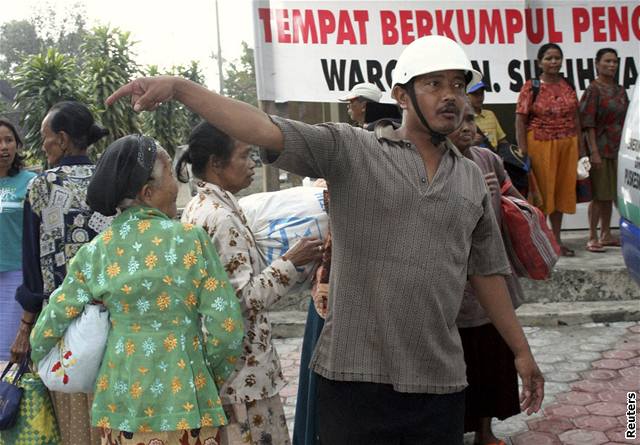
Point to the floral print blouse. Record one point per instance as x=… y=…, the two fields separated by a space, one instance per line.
x=163 y=284
x=257 y=286
x=553 y=114
x=604 y=108
x=57 y=222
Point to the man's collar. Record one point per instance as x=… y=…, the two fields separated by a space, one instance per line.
x=75 y=160
x=385 y=130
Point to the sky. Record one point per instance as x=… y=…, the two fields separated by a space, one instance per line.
x=168 y=32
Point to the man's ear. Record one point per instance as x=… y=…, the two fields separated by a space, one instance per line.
x=65 y=140
x=401 y=96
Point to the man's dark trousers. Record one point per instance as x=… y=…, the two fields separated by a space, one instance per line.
x=354 y=413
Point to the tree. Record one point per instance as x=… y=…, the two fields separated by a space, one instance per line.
x=41 y=81
x=18 y=38
x=50 y=26
x=171 y=123
x=108 y=64
x=193 y=73
x=63 y=28
x=240 y=80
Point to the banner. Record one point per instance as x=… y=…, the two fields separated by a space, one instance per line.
x=314 y=51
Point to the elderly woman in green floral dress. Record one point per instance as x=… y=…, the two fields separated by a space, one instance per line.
x=163 y=285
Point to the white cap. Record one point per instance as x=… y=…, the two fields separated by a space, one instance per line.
x=430 y=54
x=366 y=90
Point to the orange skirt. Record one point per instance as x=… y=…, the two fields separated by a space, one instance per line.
x=555 y=164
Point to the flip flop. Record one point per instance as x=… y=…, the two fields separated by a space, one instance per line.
x=613 y=243
x=595 y=247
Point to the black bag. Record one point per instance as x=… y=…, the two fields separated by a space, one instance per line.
x=517 y=166
x=11 y=394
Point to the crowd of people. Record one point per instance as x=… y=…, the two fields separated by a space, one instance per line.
x=420 y=288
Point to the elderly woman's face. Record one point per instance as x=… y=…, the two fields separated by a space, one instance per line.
x=238 y=173
x=465 y=134
x=164 y=190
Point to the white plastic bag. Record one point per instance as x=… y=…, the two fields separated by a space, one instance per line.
x=279 y=219
x=583 y=168
x=73 y=363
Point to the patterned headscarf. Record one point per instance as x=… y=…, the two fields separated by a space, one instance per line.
x=122 y=170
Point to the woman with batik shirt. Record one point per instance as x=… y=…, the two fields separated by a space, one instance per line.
x=491 y=371
x=547 y=129
x=163 y=286
x=57 y=222
x=603 y=107
x=223 y=167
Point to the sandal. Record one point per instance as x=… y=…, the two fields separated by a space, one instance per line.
x=595 y=247
x=565 y=251
x=614 y=242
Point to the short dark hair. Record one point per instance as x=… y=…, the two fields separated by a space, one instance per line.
x=76 y=120
x=601 y=52
x=546 y=47
x=18 y=161
x=205 y=142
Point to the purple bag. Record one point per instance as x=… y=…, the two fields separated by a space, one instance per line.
x=11 y=394
x=583 y=190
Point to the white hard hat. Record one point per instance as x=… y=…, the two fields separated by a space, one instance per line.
x=367 y=90
x=429 y=54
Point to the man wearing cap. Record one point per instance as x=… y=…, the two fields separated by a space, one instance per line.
x=411 y=221
x=486 y=120
x=357 y=100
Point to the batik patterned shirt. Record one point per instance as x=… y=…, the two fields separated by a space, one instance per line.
x=257 y=286
x=162 y=283
x=57 y=222
x=471 y=312
x=604 y=107
x=552 y=115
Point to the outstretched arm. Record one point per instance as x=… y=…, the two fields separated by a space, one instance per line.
x=229 y=115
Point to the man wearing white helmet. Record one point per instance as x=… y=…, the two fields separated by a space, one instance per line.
x=358 y=98
x=411 y=221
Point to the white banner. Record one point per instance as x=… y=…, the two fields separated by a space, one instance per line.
x=314 y=51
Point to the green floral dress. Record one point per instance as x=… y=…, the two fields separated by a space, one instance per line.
x=162 y=283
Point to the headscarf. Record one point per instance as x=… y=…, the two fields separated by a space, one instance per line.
x=122 y=170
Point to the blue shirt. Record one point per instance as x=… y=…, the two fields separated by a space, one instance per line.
x=12 y=193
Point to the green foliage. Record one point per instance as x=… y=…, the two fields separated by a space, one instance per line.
x=171 y=123
x=193 y=73
x=240 y=79
x=41 y=81
x=61 y=27
x=103 y=63
x=18 y=38
x=109 y=64
x=50 y=26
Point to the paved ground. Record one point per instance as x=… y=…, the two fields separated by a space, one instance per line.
x=588 y=368
x=589 y=371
